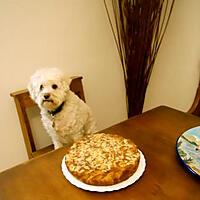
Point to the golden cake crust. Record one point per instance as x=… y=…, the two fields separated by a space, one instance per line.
x=102 y=159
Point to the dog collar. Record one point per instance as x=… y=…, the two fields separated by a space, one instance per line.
x=57 y=110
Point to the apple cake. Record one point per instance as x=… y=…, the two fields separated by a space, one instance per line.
x=102 y=159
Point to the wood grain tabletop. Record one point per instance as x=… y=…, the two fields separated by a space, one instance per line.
x=155 y=132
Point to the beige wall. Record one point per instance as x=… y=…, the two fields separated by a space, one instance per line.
x=71 y=34
x=176 y=71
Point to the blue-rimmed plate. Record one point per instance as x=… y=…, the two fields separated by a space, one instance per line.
x=188 y=149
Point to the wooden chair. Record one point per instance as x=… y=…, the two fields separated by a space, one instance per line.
x=195 y=108
x=23 y=102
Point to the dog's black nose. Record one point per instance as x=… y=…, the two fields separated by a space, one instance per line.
x=46 y=96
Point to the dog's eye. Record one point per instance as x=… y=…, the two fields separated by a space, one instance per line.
x=54 y=86
x=41 y=87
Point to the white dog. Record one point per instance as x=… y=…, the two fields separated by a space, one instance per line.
x=64 y=115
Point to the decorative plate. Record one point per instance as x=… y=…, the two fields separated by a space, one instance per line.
x=117 y=186
x=188 y=149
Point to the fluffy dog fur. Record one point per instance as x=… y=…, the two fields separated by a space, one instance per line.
x=64 y=115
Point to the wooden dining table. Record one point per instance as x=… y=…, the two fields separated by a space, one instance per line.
x=154 y=132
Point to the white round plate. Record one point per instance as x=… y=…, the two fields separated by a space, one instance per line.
x=110 y=188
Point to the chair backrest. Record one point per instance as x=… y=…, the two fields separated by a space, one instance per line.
x=195 y=108
x=23 y=102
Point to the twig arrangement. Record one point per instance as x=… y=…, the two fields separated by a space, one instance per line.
x=138 y=30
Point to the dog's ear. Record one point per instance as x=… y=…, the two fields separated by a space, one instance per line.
x=31 y=90
x=66 y=82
